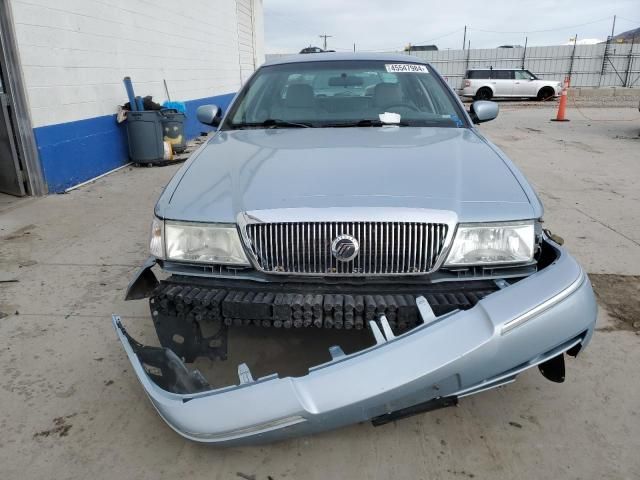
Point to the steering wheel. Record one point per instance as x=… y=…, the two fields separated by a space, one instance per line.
x=402 y=105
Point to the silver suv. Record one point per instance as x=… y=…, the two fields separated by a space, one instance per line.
x=485 y=84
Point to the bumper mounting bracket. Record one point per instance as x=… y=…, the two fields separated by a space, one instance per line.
x=428 y=406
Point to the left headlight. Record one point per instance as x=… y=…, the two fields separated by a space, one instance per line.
x=493 y=243
x=204 y=243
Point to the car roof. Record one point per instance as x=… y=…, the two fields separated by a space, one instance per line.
x=340 y=56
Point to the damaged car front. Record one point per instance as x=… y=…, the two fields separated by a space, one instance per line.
x=350 y=196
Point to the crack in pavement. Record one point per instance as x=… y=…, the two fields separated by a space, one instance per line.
x=85 y=264
x=608 y=226
x=66 y=315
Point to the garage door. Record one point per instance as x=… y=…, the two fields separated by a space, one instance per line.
x=10 y=173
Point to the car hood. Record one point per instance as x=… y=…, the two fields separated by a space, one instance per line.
x=451 y=169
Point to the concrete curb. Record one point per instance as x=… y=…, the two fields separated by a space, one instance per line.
x=604 y=92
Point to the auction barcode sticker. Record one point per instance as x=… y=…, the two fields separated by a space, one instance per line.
x=406 y=67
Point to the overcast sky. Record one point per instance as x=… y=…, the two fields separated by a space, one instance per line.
x=382 y=24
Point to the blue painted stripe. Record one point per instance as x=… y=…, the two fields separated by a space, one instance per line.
x=74 y=152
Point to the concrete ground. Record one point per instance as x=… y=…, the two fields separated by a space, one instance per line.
x=71 y=407
x=6 y=201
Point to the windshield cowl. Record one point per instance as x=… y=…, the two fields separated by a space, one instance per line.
x=270 y=123
x=278 y=124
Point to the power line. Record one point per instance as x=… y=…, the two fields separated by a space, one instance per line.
x=344 y=49
x=514 y=32
x=637 y=22
x=441 y=36
x=468 y=29
x=541 y=31
x=422 y=42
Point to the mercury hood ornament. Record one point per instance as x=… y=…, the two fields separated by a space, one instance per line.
x=345 y=248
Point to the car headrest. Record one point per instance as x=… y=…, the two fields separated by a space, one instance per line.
x=387 y=94
x=299 y=95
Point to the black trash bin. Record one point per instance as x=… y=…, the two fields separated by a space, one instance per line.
x=173 y=129
x=144 y=133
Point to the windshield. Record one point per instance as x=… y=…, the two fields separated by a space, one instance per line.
x=343 y=94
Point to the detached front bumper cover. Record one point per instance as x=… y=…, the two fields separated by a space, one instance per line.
x=446 y=358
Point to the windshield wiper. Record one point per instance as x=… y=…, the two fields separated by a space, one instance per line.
x=366 y=123
x=271 y=123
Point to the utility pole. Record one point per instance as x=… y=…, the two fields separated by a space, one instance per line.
x=573 y=56
x=466 y=66
x=613 y=28
x=354 y=48
x=464 y=39
x=324 y=37
x=524 y=52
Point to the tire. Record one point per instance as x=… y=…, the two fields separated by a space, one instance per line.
x=484 y=93
x=545 y=93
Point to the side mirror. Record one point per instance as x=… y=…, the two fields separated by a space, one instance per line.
x=209 y=115
x=483 y=111
x=531 y=78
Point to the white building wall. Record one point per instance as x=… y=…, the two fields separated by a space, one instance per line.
x=247 y=13
x=75 y=53
x=258 y=26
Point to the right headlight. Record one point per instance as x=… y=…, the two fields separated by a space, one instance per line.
x=204 y=243
x=197 y=242
x=492 y=244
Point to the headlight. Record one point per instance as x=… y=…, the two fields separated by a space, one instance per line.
x=493 y=243
x=156 y=242
x=203 y=243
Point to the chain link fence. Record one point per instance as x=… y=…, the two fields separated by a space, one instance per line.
x=601 y=65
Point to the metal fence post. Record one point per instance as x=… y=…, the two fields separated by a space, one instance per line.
x=604 y=61
x=466 y=65
x=629 y=62
x=605 y=57
x=466 y=61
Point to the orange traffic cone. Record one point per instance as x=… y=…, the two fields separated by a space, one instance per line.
x=563 y=103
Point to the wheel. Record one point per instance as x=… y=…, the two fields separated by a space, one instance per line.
x=545 y=93
x=484 y=93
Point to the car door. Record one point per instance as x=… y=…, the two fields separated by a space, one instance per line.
x=523 y=85
x=502 y=82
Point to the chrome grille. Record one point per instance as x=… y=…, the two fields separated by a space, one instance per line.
x=386 y=248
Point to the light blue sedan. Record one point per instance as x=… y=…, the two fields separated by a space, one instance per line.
x=351 y=193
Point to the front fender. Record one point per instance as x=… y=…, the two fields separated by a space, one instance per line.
x=143 y=283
